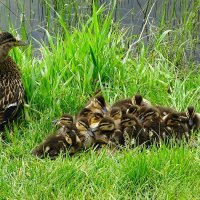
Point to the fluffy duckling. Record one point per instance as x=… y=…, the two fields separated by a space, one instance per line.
x=116 y=115
x=98 y=105
x=193 y=119
x=58 y=143
x=104 y=131
x=133 y=132
x=151 y=120
x=116 y=140
x=11 y=87
x=86 y=136
x=175 y=126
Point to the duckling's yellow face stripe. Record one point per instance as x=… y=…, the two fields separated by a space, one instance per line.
x=68 y=139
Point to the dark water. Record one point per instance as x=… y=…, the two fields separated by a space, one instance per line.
x=31 y=17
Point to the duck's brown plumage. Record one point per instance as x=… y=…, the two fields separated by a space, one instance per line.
x=11 y=87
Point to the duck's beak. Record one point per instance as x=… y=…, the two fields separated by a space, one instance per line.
x=105 y=110
x=55 y=121
x=141 y=119
x=20 y=43
x=190 y=122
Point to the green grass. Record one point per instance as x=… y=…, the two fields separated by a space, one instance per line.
x=75 y=63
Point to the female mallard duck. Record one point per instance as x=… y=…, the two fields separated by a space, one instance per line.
x=11 y=87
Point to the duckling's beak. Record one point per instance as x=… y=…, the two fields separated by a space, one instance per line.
x=190 y=122
x=104 y=110
x=94 y=125
x=141 y=119
x=20 y=43
x=90 y=132
x=93 y=129
x=55 y=121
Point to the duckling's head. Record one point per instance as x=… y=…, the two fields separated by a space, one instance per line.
x=137 y=99
x=116 y=113
x=148 y=113
x=65 y=120
x=129 y=120
x=107 y=124
x=99 y=102
x=133 y=110
x=95 y=119
x=7 y=42
x=82 y=124
x=190 y=113
x=172 y=119
x=85 y=112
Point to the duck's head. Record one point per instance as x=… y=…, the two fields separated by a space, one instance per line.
x=64 y=120
x=116 y=113
x=133 y=110
x=99 y=102
x=129 y=120
x=107 y=124
x=82 y=124
x=148 y=113
x=172 y=119
x=85 y=112
x=137 y=100
x=7 y=42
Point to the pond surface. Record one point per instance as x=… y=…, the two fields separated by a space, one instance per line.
x=33 y=16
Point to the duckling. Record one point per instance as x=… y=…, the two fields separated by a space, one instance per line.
x=11 y=87
x=58 y=143
x=133 y=132
x=151 y=120
x=175 y=126
x=98 y=105
x=104 y=131
x=86 y=136
x=107 y=126
x=193 y=119
x=116 y=140
x=116 y=115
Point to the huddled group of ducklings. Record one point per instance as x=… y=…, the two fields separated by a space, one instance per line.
x=128 y=122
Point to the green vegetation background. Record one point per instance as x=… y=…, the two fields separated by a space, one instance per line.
x=75 y=63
